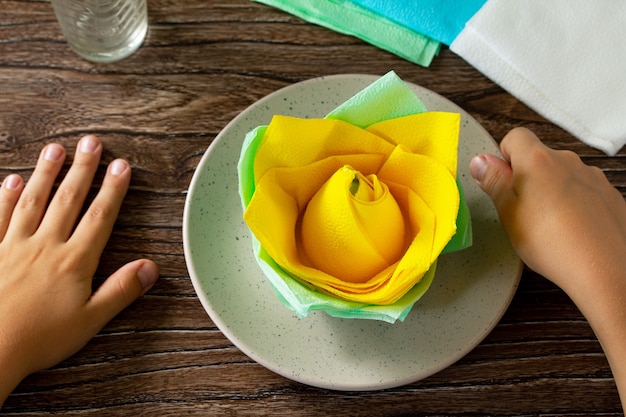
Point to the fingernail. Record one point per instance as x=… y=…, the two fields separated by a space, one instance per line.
x=147 y=274
x=12 y=182
x=88 y=144
x=118 y=166
x=52 y=152
x=477 y=167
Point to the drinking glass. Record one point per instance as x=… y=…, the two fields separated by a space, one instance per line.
x=103 y=30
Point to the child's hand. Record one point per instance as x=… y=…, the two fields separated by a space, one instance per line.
x=48 y=257
x=565 y=219
x=567 y=223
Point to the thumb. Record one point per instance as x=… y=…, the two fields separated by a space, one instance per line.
x=495 y=176
x=122 y=288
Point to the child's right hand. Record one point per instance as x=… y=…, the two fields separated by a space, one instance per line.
x=568 y=223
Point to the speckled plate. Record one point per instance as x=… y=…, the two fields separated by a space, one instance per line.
x=471 y=290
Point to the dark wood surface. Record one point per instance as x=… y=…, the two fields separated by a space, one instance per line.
x=204 y=61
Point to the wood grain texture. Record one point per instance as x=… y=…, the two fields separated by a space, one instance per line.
x=205 y=61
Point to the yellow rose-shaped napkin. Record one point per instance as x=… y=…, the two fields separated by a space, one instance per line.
x=350 y=213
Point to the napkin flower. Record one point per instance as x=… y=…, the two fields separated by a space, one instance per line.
x=353 y=210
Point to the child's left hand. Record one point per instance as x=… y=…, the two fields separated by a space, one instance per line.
x=48 y=257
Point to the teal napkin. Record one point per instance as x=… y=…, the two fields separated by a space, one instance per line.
x=441 y=20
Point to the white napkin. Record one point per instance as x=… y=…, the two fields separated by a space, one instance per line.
x=566 y=59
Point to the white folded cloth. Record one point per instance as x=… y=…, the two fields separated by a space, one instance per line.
x=566 y=59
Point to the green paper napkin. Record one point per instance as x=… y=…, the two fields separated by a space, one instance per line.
x=351 y=19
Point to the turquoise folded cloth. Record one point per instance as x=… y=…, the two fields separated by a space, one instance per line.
x=352 y=19
x=441 y=20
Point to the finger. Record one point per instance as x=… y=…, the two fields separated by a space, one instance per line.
x=97 y=223
x=9 y=194
x=524 y=154
x=69 y=198
x=122 y=288
x=33 y=200
x=495 y=176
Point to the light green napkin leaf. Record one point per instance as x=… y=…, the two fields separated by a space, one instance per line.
x=387 y=98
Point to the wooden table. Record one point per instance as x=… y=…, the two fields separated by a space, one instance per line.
x=204 y=61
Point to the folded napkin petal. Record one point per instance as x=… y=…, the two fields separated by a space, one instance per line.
x=351 y=19
x=353 y=217
x=426 y=190
x=563 y=58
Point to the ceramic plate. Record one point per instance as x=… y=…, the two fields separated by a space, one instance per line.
x=471 y=290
